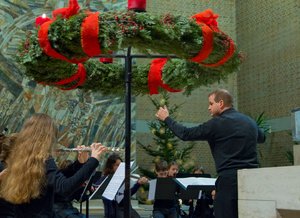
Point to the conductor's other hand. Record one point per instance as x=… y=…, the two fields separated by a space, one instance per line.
x=97 y=150
x=162 y=113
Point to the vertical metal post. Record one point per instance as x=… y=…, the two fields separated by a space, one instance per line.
x=127 y=194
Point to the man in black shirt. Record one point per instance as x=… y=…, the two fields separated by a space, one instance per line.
x=232 y=137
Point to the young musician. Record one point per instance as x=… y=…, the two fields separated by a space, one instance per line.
x=164 y=208
x=173 y=169
x=32 y=177
x=63 y=206
x=112 y=209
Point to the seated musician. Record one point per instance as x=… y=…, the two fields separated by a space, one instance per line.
x=204 y=205
x=112 y=209
x=63 y=206
x=164 y=207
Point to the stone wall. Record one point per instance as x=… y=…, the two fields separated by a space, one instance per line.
x=268 y=81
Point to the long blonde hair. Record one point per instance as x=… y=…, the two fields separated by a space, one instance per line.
x=26 y=176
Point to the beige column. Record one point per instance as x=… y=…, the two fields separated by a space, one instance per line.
x=296 y=154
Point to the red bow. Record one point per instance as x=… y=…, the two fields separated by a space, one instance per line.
x=72 y=9
x=207 y=17
x=155 y=77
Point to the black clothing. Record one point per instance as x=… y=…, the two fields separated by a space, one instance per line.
x=232 y=137
x=112 y=209
x=7 y=210
x=226 y=201
x=63 y=207
x=56 y=183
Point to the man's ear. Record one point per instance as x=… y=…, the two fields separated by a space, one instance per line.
x=221 y=102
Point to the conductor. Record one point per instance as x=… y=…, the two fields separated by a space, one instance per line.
x=232 y=137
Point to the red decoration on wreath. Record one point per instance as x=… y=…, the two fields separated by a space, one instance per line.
x=207 y=20
x=89 y=35
x=89 y=40
x=155 y=77
x=41 y=19
x=67 y=12
x=80 y=75
x=107 y=60
x=137 y=5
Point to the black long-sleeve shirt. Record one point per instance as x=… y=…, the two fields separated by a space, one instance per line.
x=56 y=183
x=232 y=137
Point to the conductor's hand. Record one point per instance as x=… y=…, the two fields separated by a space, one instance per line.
x=83 y=156
x=97 y=150
x=162 y=113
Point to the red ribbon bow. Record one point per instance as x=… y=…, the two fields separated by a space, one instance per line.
x=209 y=18
x=67 y=12
x=155 y=77
x=89 y=41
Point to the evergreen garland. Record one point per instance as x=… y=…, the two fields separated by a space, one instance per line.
x=166 y=34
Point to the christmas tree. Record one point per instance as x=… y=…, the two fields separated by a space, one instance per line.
x=166 y=145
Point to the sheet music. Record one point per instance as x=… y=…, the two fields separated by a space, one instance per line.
x=152 y=188
x=115 y=182
x=185 y=182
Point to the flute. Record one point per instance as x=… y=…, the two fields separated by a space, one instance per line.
x=114 y=149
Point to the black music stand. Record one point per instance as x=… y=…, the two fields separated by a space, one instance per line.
x=166 y=188
x=193 y=191
x=85 y=195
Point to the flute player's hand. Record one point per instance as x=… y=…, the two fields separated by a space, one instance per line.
x=83 y=156
x=97 y=150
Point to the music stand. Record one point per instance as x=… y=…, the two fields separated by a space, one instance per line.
x=165 y=188
x=194 y=189
x=86 y=191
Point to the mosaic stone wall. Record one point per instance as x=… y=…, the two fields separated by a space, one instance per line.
x=82 y=117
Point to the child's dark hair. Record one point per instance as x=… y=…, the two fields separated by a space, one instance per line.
x=161 y=165
x=198 y=169
x=111 y=160
x=172 y=163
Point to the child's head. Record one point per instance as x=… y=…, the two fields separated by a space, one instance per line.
x=198 y=170
x=173 y=169
x=112 y=164
x=161 y=169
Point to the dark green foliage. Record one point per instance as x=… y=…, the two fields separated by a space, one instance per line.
x=167 y=145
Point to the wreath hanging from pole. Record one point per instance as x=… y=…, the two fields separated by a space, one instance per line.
x=59 y=52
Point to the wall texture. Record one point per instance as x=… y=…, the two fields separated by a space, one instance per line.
x=269 y=34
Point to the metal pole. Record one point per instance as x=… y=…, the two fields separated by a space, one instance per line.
x=127 y=194
x=128 y=75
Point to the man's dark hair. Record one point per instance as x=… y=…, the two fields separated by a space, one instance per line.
x=222 y=94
